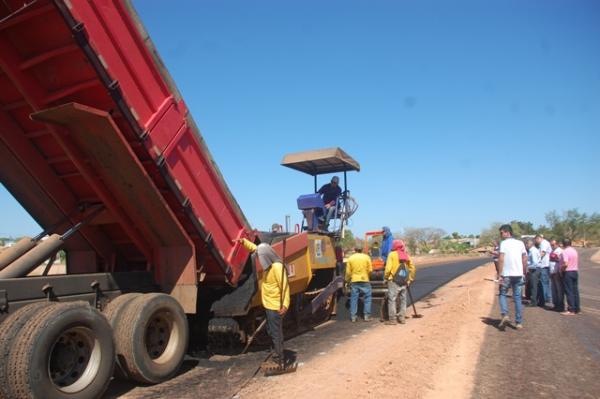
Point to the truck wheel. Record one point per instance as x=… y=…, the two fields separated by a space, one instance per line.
x=114 y=310
x=65 y=351
x=151 y=338
x=9 y=329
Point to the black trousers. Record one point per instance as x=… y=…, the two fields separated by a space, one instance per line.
x=535 y=287
x=571 y=282
x=275 y=330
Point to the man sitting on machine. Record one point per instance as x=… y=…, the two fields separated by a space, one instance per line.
x=330 y=192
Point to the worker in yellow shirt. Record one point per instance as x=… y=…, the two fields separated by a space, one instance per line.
x=358 y=268
x=399 y=273
x=275 y=293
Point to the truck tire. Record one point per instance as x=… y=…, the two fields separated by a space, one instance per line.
x=65 y=351
x=151 y=338
x=114 y=310
x=9 y=330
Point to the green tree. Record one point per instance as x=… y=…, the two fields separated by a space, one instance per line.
x=490 y=234
x=348 y=242
x=574 y=225
x=422 y=239
x=521 y=228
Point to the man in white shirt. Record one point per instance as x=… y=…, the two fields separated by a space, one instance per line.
x=533 y=274
x=558 y=293
x=545 y=251
x=512 y=268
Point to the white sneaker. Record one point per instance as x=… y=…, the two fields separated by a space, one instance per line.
x=505 y=320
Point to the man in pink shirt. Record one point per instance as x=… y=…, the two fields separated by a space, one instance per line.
x=570 y=269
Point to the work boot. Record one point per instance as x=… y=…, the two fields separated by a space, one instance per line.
x=390 y=323
x=367 y=318
x=401 y=320
x=271 y=364
x=353 y=319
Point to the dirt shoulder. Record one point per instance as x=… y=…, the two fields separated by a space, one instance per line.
x=554 y=356
x=430 y=357
x=596 y=257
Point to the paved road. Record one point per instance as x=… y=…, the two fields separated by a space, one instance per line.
x=223 y=376
x=554 y=356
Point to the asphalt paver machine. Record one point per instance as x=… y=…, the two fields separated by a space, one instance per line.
x=99 y=147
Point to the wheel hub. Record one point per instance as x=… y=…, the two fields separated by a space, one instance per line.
x=158 y=333
x=74 y=359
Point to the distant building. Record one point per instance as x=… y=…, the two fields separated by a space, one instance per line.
x=473 y=241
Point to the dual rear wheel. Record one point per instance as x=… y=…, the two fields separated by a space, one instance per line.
x=68 y=350
x=151 y=335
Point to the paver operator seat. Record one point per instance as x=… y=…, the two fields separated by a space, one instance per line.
x=320 y=162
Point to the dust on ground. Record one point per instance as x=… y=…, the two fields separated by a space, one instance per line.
x=429 y=357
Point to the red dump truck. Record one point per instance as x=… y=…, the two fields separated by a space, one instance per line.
x=98 y=146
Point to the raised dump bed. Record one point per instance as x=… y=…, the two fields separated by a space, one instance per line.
x=98 y=146
x=106 y=113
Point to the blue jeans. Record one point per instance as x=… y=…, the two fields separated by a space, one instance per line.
x=329 y=214
x=356 y=289
x=571 y=282
x=545 y=277
x=514 y=282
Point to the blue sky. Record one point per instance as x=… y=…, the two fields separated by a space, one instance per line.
x=461 y=113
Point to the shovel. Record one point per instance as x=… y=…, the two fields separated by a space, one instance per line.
x=412 y=302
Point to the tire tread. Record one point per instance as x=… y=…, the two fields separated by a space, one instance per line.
x=9 y=331
x=22 y=350
x=125 y=331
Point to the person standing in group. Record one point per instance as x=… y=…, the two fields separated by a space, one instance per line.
x=558 y=292
x=358 y=268
x=398 y=261
x=534 y=272
x=545 y=251
x=512 y=268
x=570 y=270
x=275 y=294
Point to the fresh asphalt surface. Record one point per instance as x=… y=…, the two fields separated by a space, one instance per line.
x=554 y=356
x=224 y=376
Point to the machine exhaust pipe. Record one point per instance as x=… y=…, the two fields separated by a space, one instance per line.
x=33 y=258
x=13 y=253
